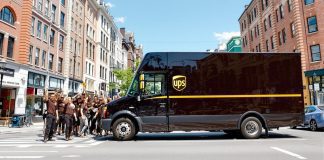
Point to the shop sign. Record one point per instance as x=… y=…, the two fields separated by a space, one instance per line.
x=40 y=92
x=7 y=72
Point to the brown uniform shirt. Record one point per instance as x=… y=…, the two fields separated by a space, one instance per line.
x=51 y=107
x=69 y=109
x=61 y=107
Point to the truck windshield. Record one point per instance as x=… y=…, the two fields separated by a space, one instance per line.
x=133 y=89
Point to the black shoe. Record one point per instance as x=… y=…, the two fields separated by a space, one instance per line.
x=50 y=139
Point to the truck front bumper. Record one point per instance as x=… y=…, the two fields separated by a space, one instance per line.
x=106 y=124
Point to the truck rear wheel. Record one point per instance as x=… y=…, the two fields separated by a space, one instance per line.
x=251 y=128
x=123 y=129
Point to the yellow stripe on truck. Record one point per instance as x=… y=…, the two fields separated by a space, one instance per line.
x=228 y=96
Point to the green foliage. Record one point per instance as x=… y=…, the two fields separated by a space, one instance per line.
x=125 y=76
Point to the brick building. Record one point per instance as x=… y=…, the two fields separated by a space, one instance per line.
x=288 y=26
x=14 y=46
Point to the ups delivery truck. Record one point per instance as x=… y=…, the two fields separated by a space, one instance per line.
x=233 y=92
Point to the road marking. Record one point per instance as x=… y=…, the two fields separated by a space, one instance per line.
x=61 y=146
x=21 y=157
x=71 y=156
x=24 y=146
x=80 y=146
x=288 y=152
x=28 y=151
x=96 y=143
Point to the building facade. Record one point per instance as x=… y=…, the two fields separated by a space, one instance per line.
x=288 y=26
x=14 y=46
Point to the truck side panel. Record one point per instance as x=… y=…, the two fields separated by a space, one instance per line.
x=220 y=88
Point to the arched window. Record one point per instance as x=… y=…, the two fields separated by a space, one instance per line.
x=6 y=15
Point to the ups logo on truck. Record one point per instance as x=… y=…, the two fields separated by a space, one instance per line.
x=179 y=82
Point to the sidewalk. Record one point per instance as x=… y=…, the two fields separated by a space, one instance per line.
x=31 y=128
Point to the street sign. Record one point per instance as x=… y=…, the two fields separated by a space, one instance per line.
x=7 y=72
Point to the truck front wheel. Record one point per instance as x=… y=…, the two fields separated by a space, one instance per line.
x=251 y=128
x=123 y=129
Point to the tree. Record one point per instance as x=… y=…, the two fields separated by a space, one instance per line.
x=125 y=77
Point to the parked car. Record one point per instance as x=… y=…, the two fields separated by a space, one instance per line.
x=314 y=117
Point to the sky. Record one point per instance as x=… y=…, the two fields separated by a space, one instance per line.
x=178 y=25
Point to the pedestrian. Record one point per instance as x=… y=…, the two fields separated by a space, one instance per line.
x=93 y=112
x=98 y=116
x=83 y=119
x=69 y=115
x=61 y=121
x=51 y=117
x=76 y=122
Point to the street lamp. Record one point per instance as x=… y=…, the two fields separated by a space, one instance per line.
x=3 y=64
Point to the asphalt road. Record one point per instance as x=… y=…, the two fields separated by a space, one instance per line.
x=285 y=144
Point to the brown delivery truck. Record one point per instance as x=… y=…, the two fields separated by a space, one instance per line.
x=233 y=92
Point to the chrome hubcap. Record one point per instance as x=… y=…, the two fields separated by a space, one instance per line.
x=123 y=129
x=313 y=125
x=252 y=127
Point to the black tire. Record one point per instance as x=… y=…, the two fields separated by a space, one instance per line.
x=313 y=125
x=251 y=128
x=123 y=129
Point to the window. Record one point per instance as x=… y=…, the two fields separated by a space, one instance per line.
x=78 y=69
x=265 y=25
x=7 y=16
x=30 y=56
x=37 y=56
x=267 y=45
x=76 y=26
x=52 y=37
x=10 y=48
x=71 y=44
x=293 y=30
x=80 y=29
x=79 y=49
x=63 y=2
x=43 y=58
x=45 y=32
x=60 y=65
x=280 y=38
x=312 y=24
x=154 y=84
x=251 y=35
x=33 y=26
x=61 y=42
x=316 y=53
x=284 y=37
x=39 y=28
x=308 y=2
x=272 y=42
x=40 y=5
x=277 y=15
x=53 y=13
x=46 y=7
x=62 y=20
x=50 y=61
x=289 y=5
x=70 y=66
x=281 y=12
x=270 y=22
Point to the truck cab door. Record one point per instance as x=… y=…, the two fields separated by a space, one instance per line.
x=153 y=106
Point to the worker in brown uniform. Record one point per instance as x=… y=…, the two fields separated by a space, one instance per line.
x=51 y=117
x=69 y=115
x=61 y=120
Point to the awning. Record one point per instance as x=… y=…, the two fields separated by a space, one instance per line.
x=312 y=73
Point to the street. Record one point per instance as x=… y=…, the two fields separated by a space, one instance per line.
x=285 y=144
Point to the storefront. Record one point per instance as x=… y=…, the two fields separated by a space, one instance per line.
x=13 y=90
x=56 y=84
x=77 y=87
x=315 y=80
x=35 y=93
